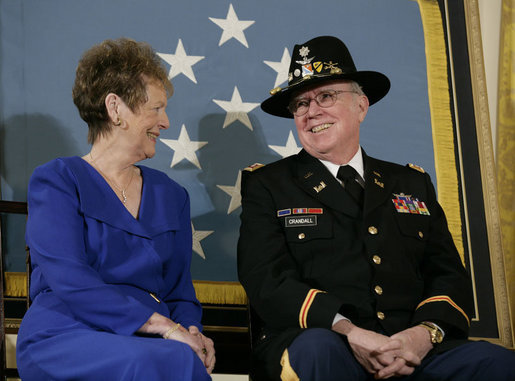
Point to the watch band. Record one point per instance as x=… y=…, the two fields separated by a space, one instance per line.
x=434 y=331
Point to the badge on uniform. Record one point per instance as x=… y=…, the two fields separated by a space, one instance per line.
x=406 y=204
x=287 y=212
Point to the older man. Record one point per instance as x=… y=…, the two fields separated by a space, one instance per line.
x=347 y=260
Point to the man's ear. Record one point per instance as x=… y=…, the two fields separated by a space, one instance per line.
x=363 y=105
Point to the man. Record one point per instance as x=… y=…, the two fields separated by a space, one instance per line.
x=347 y=260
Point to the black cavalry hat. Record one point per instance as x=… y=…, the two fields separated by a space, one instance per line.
x=322 y=59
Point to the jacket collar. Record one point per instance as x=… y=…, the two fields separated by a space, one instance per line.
x=315 y=179
x=378 y=183
x=99 y=201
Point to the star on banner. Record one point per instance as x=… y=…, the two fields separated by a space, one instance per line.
x=236 y=109
x=232 y=27
x=234 y=192
x=184 y=148
x=281 y=67
x=289 y=149
x=199 y=235
x=180 y=62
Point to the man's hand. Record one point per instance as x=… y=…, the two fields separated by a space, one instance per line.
x=365 y=345
x=408 y=347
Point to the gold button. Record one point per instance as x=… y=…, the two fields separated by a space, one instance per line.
x=420 y=234
x=302 y=236
x=372 y=230
x=376 y=259
x=380 y=315
x=378 y=290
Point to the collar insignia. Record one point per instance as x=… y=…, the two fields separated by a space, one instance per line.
x=318 y=188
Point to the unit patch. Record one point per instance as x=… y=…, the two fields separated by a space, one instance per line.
x=406 y=204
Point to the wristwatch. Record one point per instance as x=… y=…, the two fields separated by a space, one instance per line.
x=434 y=331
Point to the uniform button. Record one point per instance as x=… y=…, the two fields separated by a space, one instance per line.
x=380 y=315
x=376 y=259
x=420 y=234
x=302 y=236
x=378 y=290
x=372 y=230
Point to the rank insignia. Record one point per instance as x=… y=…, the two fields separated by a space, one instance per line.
x=416 y=168
x=253 y=167
x=406 y=204
x=283 y=212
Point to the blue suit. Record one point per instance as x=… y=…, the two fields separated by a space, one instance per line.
x=99 y=274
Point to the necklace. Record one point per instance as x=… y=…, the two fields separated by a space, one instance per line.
x=122 y=191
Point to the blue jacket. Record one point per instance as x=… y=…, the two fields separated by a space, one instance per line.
x=95 y=264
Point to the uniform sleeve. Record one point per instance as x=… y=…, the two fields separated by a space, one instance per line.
x=267 y=270
x=55 y=236
x=181 y=299
x=447 y=289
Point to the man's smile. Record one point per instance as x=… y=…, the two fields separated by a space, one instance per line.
x=321 y=127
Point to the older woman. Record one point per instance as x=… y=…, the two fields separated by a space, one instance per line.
x=110 y=241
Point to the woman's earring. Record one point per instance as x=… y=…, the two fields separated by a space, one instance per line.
x=118 y=122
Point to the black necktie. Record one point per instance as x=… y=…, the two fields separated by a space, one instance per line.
x=349 y=176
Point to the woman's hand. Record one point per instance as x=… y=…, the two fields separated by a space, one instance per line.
x=184 y=336
x=158 y=324
x=208 y=349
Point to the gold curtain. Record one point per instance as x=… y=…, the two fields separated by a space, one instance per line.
x=506 y=144
x=441 y=119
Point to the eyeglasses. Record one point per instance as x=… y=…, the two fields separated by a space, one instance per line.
x=326 y=98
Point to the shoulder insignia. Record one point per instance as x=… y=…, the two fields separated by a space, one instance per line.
x=254 y=167
x=416 y=168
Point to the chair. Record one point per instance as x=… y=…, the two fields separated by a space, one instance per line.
x=7 y=326
x=255 y=326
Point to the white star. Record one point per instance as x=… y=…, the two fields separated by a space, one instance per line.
x=184 y=148
x=199 y=235
x=232 y=27
x=180 y=62
x=289 y=149
x=281 y=67
x=234 y=192
x=236 y=109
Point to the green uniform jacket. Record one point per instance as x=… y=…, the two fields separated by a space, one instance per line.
x=307 y=251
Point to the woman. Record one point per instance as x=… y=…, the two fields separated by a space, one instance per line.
x=112 y=297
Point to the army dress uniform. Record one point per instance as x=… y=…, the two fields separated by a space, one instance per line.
x=308 y=251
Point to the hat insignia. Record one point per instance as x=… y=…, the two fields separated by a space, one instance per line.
x=307 y=70
x=303 y=52
x=332 y=67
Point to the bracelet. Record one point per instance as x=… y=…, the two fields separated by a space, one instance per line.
x=171 y=330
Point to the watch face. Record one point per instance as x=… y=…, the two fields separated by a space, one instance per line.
x=436 y=335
